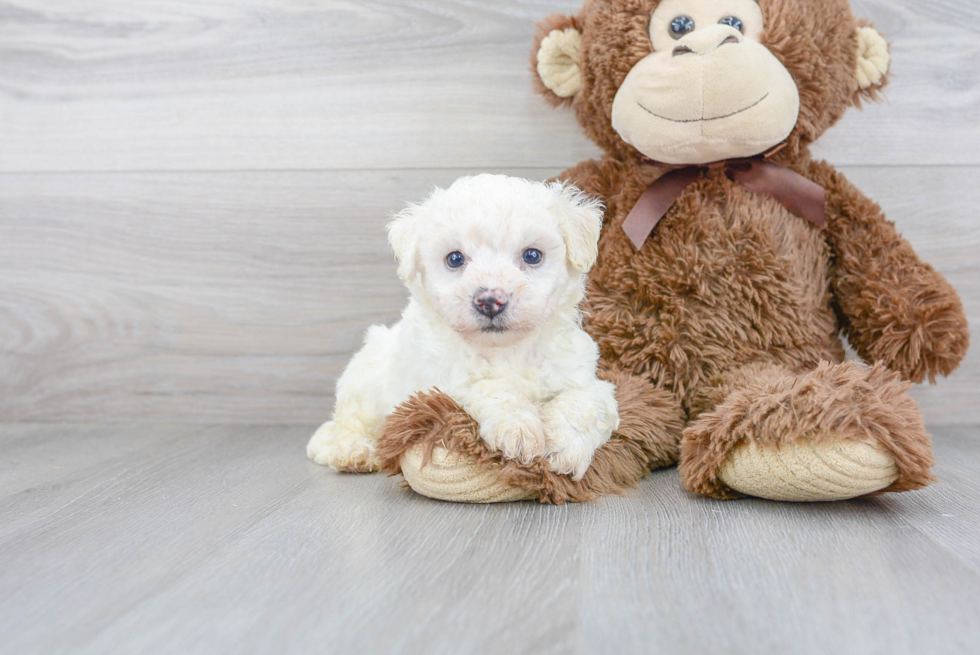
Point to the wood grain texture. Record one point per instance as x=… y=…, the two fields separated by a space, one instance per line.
x=345 y=84
x=240 y=297
x=227 y=283
x=194 y=539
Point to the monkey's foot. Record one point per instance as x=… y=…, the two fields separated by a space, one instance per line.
x=456 y=477
x=806 y=470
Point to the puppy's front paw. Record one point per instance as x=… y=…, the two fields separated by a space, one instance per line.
x=574 y=432
x=516 y=433
x=342 y=449
x=570 y=450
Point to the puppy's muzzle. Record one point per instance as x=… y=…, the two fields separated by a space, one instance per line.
x=491 y=303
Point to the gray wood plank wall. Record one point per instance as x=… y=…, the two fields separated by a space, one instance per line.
x=193 y=194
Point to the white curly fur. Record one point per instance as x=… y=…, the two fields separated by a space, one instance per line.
x=528 y=375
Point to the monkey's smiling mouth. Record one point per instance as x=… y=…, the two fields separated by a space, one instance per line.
x=703 y=120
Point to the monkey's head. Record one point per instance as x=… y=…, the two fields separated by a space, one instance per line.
x=698 y=81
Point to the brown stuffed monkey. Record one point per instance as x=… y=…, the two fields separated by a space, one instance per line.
x=729 y=264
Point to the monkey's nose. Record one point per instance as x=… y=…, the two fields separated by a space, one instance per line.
x=707 y=40
x=490 y=303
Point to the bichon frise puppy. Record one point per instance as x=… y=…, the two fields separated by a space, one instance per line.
x=496 y=267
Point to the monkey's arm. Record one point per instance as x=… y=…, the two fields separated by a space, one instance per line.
x=896 y=309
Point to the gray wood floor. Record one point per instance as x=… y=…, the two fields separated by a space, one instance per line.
x=221 y=539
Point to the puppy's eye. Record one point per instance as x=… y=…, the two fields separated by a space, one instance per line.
x=532 y=257
x=680 y=26
x=732 y=21
x=455 y=259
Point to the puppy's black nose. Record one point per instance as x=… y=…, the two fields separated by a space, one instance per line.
x=490 y=303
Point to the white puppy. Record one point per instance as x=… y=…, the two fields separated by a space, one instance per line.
x=496 y=268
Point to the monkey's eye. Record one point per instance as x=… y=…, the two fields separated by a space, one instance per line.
x=732 y=21
x=455 y=259
x=532 y=257
x=680 y=26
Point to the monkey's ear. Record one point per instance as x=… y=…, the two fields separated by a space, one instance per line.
x=873 y=61
x=556 y=59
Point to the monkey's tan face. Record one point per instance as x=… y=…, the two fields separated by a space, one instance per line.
x=710 y=90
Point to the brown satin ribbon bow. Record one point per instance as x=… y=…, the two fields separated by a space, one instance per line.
x=796 y=193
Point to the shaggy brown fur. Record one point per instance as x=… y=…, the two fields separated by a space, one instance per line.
x=734 y=305
x=894 y=308
x=731 y=281
x=648 y=439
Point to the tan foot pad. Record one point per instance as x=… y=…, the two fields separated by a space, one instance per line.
x=456 y=478
x=806 y=471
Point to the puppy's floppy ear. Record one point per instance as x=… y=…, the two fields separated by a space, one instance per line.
x=403 y=235
x=580 y=221
x=556 y=59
